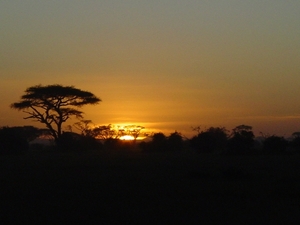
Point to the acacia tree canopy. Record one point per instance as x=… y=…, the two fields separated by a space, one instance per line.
x=53 y=105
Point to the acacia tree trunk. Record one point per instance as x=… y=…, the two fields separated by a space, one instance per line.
x=53 y=132
x=59 y=131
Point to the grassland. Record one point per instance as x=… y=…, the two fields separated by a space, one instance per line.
x=127 y=187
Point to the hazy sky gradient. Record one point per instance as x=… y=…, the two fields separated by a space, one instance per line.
x=166 y=64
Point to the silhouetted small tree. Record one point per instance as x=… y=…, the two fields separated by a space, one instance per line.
x=275 y=144
x=214 y=139
x=29 y=133
x=159 y=143
x=241 y=140
x=134 y=130
x=175 y=141
x=70 y=141
x=84 y=126
x=106 y=132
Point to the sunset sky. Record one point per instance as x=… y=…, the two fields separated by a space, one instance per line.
x=163 y=64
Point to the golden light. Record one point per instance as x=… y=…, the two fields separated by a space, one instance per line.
x=127 y=138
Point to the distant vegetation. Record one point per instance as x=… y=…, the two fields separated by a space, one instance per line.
x=216 y=140
x=53 y=105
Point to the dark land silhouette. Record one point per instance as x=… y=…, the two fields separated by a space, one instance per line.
x=163 y=181
x=131 y=187
x=216 y=177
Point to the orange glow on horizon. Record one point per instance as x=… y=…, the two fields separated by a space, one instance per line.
x=127 y=138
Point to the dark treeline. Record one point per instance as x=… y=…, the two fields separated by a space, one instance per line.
x=217 y=140
x=241 y=140
x=53 y=105
x=17 y=139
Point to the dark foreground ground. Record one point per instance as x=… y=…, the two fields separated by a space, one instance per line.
x=149 y=188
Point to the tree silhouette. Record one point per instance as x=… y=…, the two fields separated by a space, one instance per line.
x=29 y=133
x=175 y=141
x=242 y=139
x=84 y=126
x=211 y=140
x=132 y=130
x=53 y=105
x=106 y=132
x=70 y=141
x=275 y=144
x=159 y=143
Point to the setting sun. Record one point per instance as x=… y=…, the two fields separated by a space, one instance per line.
x=127 y=138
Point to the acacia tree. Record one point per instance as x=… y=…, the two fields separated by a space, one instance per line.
x=107 y=132
x=132 y=130
x=53 y=105
x=84 y=126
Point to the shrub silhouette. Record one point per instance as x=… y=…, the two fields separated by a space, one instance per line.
x=175 y=142
x=159 y=143
x=241 y=141
x=90 y=143
x=29 y=133
x=70 y=141
x=162 y=143
x=275 y=144
x=214 y=139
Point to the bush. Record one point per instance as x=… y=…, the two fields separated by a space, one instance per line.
x=241 y=141
x=275 y=144
x=213 y=139
x=175 y=142
x=159 y=143
x=70 y=141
